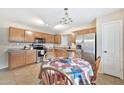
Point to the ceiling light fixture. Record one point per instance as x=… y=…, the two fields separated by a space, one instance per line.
x=66 y=19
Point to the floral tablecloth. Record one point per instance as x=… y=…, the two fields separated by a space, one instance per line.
x=78 y=69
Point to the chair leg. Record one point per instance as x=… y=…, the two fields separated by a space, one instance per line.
x=93 y=82
x=40 y=82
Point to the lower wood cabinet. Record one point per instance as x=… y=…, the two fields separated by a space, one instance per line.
x=21 y=58
x=30 y=56
x=60 y=53
x=16 y=59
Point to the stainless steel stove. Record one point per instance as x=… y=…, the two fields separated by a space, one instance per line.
x=40 y=51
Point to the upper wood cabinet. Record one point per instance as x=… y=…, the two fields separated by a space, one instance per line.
x=73 y=38
x=43 y=35
x=29 y=36
x=16 y=34
x=57 y=39
x=52 y=38
x=39 y=35
x=86 y=31
x=21 y=35
x=49 y=38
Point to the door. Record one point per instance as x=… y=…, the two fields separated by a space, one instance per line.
x=112 y=47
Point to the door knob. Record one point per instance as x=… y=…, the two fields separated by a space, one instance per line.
x=105 y=51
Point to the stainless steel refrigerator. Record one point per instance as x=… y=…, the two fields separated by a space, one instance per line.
x=86 y=46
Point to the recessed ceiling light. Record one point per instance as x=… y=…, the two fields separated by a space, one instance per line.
x=60 y=26
x=40 y=22
x=29 y=32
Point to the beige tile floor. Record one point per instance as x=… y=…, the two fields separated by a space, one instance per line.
x=28 y=76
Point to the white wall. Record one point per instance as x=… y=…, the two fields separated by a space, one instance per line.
x=5 y=45
x=104 y=19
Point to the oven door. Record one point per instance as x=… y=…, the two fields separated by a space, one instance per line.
x=40 y=54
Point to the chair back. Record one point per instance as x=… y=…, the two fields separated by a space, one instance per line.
x=48 y=55
x=96 y=68
x=52 y=76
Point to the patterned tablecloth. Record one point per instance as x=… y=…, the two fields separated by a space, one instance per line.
x=78 y=69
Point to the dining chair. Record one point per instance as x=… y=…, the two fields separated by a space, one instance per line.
x=77 y=55
x=52 y=76
x=47 y=57
x=95 y=70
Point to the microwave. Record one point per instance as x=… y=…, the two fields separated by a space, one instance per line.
x=39 y=40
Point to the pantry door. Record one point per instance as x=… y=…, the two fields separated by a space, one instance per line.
x=112 y=48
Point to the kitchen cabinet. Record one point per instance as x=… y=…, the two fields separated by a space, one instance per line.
x=52 y=39
x=21 y=35
x=30 y=56
x=16 y=59
x=49 y=38
x=73 y=38
x=16 y=34
x=86 y=31
x=57 y=39
x=37 y=35
x=43 y=35
x=29 y=36
x=60 y=53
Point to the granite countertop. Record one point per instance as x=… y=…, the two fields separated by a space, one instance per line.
x=61 y=48
x=22 y=50
x=17 y=50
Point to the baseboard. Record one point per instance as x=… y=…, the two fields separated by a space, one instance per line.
x=3 y=67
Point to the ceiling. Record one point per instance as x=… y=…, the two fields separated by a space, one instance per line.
x=51 y=16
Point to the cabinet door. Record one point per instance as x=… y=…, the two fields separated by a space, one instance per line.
x=29 y=36
x=52 y=38
x=60 y=53
x=48 y=38
x=73 y=37
x=37 y=35
x=16 y=34
x=43 y=35
x=57 y=39
x=30 y=56
x=16 y=59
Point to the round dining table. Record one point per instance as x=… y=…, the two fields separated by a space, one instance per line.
x=79 y=70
